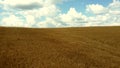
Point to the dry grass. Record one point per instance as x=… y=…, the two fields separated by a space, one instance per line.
x=60 y=48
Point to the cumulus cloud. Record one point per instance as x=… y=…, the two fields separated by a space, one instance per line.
x=45 y=13
x=104 y=16
x=28 y=4
x=19 y=4
x=50 y=22
x=114 y=8
x=73 y=17
x=12 y=20
x=96 y=9
x=31 y=11
x=30 y=20
x=28 y=7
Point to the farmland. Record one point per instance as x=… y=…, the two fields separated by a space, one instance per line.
x=85 y=47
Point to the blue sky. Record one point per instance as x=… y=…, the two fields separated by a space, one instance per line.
x=80 y=5
x=59 y=13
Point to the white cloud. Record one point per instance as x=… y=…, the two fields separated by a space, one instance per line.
x=12 y=20
x=96 y=9
x=45 y=8
x=19 y=4
x=73 y=17
x=30 y=20
x=28 y=4
x=44 y=11
x=114 y=8
x=50 y=22
x=46 y=14
x=112 y=17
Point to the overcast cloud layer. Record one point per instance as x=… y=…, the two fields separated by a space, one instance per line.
x=46 y=13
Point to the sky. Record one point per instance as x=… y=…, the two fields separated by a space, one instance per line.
x=59 y=13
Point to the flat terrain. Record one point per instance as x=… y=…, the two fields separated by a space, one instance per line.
x=90 y=47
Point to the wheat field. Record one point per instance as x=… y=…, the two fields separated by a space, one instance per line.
x=85 y=47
